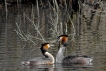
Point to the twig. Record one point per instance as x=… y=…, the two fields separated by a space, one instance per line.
x=73 y=35
x=35 y=28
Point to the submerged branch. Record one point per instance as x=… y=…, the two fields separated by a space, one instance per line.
x=36 y=28
x=73 y=35
x=22 y=35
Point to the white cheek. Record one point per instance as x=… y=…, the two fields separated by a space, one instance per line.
x=48 y=45
x=60 y=39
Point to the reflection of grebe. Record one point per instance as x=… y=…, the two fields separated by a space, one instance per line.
x=48 y=59
x=63 y=39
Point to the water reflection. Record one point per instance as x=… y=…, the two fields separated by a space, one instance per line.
x=40 y=67
x=61 y=67
x=55 y=67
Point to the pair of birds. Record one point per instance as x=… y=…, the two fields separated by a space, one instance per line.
x=49 y=59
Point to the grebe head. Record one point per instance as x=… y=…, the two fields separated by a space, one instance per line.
x=44 y=48
x=63 y=40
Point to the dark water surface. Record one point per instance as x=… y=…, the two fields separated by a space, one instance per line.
x=14 y=48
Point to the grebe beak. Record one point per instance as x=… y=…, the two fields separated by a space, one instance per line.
x=51 y=45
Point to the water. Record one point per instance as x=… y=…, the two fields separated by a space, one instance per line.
x=90 y=38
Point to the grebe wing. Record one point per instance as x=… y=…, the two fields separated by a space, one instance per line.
x=77 y=59
x=40 y=60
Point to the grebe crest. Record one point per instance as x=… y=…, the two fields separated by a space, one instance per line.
x=48 y=59
x=63 y=40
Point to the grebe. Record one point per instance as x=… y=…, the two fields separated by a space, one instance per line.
x=79 y=59
x=48 y=59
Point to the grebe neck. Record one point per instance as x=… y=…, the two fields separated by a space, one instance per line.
x=60 y=54
x=49 y=56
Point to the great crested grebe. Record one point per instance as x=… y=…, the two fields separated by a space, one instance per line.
x=78 y=59
x=48 y=59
